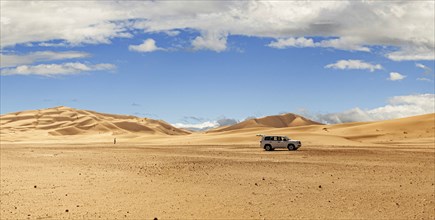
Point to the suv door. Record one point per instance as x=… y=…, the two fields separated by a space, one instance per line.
x=267 y=140
x=280 y=142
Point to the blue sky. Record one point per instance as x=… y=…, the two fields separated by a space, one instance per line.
x=167 y=65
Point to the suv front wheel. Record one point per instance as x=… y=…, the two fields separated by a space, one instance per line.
x=291 y=147
x=268 y=147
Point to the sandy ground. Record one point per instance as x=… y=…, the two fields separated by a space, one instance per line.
x=140 y=181
x=61 y=163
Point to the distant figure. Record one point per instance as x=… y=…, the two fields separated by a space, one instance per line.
x=114 y=140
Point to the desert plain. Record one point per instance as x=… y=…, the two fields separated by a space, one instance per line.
x=62 y=163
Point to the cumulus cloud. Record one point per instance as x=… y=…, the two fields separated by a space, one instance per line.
x=292 y=42
x=211 y=41
x=395 y=76
x=148 y=45
x=397 y=107
x=412 y=53
x=405 y=26
x=9 y=60
x=354 y=64
x=201 y=124
x=342 y=44
x=56 y=69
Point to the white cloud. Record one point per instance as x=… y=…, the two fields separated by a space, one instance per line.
x=397 y=107
x=395 y=76
x=211 y=41
x=292 y=42
x=199 y=126
x=148 y=45
x=354 y=64
x=47 y=44
x=424 y=79
x=342 y=43
x=413 y=53
x=8 y=60
x=407 y=26
x=56 y=69
x=426 y=69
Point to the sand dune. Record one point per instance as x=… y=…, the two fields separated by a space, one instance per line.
x=412 y=130
x=61 y=121
x=274 y=121
x=63 y=124
x=70 y=169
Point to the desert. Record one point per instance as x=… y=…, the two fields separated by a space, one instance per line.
x=62 y=163
x=208 y=109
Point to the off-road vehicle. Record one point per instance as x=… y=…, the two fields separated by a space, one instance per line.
x=270 y=142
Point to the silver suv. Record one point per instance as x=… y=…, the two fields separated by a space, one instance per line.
x=269 y=142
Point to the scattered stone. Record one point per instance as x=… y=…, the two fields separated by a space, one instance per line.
x=320 y=186
x=397 y=204
x=66 y=210
x=264 y=179
x=34 y=186
x=156 y=218
x=77 y=206
x=256 y=184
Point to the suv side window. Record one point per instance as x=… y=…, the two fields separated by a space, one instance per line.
x=267 y=138
x=278 y=138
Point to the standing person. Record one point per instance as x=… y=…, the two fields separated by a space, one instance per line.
x=114 y=140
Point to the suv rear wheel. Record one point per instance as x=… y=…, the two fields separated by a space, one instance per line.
x=268 y=147
x=291 y=147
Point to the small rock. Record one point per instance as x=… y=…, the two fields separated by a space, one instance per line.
x=66 y=210
x=256 y=184
x=156 y=218
x=34 y=186
x=264 y=179
x=320 y=186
